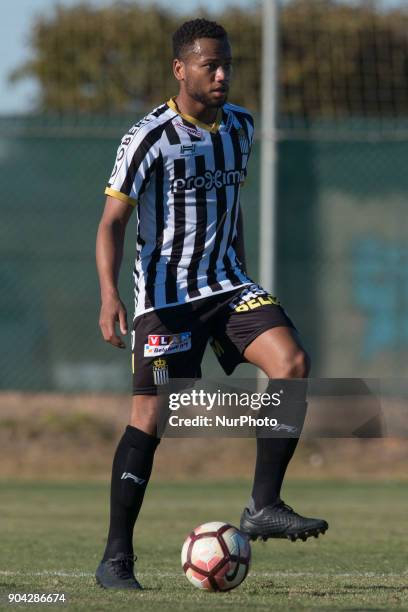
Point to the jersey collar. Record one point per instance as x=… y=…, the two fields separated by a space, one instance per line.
x=213 y=128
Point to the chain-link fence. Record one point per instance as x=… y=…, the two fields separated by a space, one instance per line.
x=342 y=190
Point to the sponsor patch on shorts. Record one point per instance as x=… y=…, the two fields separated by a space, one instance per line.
x=252 y=297
x=159 y=344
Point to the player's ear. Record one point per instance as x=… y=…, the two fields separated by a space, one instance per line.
x=178 y=69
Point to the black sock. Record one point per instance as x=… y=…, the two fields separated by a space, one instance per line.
x=132 y=466
x=274 y=453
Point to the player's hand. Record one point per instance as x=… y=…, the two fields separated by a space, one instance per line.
x=113 y=311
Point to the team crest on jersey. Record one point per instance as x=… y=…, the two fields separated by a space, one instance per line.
x=160 y=372
x=243 y=141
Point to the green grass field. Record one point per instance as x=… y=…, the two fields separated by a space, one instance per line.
x=53 y=536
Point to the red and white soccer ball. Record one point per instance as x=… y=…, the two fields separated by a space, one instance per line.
x=216 y=557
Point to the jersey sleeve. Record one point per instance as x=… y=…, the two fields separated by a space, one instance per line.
x=134 y=165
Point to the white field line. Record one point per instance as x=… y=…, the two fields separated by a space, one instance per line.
x=78 y=574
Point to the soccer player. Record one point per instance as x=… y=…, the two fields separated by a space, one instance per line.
x=181 y=168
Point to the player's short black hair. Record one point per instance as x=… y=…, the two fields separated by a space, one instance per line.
x=190 y=31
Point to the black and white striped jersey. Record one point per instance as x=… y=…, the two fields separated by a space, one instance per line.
x=185 y=178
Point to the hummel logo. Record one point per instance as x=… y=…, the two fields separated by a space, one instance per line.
x=137 y=480
x=186 y=150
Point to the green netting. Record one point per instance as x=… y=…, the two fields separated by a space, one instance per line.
x=342 y=249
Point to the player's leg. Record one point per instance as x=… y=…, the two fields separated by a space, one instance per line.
x=132 y=466
x=279 y=354
x=166 y=344
x=253 y=327
x=131 y=469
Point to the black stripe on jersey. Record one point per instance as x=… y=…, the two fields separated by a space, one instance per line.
x=147 y=178
x=136 y=276
x=179 y=234
x=171 y=134
x=160 y=110
x=238 y=166
x=219 y=162
x=201 y=231
x=148 y=141
x=139 y=246
x=243 y=118
x=155 y=256
x=140 y=242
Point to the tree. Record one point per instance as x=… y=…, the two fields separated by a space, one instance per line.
x=336 y=59
x=119 y=58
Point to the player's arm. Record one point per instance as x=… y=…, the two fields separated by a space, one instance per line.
x=109 y=252
x=239 y=241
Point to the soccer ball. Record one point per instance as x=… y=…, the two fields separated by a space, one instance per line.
x=216 y=556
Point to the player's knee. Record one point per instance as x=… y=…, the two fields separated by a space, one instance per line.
x=145 y=413
x=300 y=364
x=303 y=364
x=296 y=365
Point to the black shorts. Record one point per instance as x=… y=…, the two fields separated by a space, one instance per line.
x=170 y=342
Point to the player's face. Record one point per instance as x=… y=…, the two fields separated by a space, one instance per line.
x=206 y=71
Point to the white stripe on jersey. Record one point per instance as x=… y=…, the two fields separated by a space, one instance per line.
x=211 y=227
x=186 y=178
x=191 y=220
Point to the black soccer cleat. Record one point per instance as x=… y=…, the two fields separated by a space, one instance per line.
x=117 y=573
x=279 y=521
